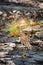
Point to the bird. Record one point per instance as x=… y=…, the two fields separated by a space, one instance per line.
x=25 y=40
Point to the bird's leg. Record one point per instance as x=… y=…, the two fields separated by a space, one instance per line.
x=24 y=51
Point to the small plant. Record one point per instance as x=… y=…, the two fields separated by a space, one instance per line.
x=12 y=29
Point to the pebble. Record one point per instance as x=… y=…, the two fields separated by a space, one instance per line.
x=14 y=11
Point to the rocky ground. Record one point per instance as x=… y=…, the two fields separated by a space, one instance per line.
x=13 y=55
x=11 y=50
x=10 y=56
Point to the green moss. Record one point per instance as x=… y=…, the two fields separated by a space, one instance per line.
x=11 y=28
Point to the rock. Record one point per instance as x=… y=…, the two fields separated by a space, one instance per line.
x=28 y=29
x=30 y=8
x=3 y=39
x=27 y=14
x=1 y=13
x=11 y=63
x=3 y=62
x=1 y=49
x=36 y=42
x=14 y=11
x=10 y=17
x=4 y=14
x=31 y=52
x=34 y=29
x=13 y=45
x=0 y=33
x=38 y=59
x=26 y=63
x=41 y=5
x=11 y=39
x=20 y=46
x=18 y=12
x=39 y=35
x=18 y=39
x=22 y=1
x=2 y=54
x=32 y=23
